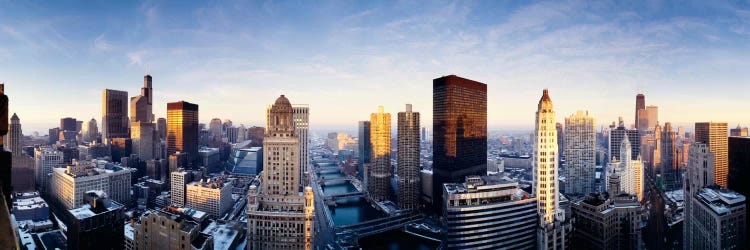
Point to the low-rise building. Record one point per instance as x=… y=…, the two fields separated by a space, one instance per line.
x=213 y=196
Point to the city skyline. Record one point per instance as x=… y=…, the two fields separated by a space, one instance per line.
x=591 y=55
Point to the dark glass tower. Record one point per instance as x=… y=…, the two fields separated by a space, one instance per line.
x=182 y=129
x=365 y=148
x=739 y=169
x=459 y=126
x=640 y=104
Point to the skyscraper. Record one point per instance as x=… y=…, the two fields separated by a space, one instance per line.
x=717 y=219
x=408 y=159
x=699 y=174
x=552 y=233
x=142 y=135
x=560 y=142
x=739 y=131
x=301 y=118
x=213 y=197
x=653 y=116
x=161 y=126
x=365 y=149
x=182 y=129
x=580 y=153
x=14 y=136
x=45 y=159
x=607 y=222
x=670 y=167
x=71 y=184
x=739 y=169
x=178 y=180
x=380 y=170
x=714 y=134
x=215 y=128
x=141 y=105
x=90 y=131
x=277 y=215
x=615 y=140
x=459 y=132
x=114 y=114
x=629 y=172
x=640 y=104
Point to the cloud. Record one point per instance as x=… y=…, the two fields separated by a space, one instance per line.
x=101 y=44
x=136 y=58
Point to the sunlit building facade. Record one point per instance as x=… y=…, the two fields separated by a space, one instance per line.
x=580 y=153
x=213 y=196
x=379 y=170
x=182 y=129
x=714 y=134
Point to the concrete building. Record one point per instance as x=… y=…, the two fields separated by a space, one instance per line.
x=553 y=224
x=629 y=172
x=170 y=229
x=653 y=116
x=45 y=159
x=459 y=132
x=488 y=212
x=380 y=170
x=72 y=183
x=615 y=140
x=604 y=222
x=364 y=148
x=739 y=131
x=301 y=117
x=670 y=167
x=213 y=196
x=717 y=219
x=114 y=114
x=161 y=126
x=96 y=224
x=580 y=153
x=179 y=179
x=182 y=129
x=14 y=136
x=90 y=131
x=278 y=216
x=408 y=159
x=714 y=134
x=143 y=139
x=699 y=174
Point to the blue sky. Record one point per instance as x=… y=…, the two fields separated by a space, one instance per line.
x=345 y=58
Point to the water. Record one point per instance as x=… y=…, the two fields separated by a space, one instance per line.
x=353 y=211
x=397 y=240
x=335 y=189
x=331 y=175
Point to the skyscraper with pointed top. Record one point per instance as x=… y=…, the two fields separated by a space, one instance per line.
x=142 y=128
x=554 y=227
x=14 y=136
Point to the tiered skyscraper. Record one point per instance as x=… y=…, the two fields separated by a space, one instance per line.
x=554 y=227
x=459 y=132
x=408 y=159
x=142 y=128
x=182 y=129
x=278 y=216
x=580 y=153
x=14 y=136
x=114 y=114
x=714 y=134
x=615 y=140
x=379 y=171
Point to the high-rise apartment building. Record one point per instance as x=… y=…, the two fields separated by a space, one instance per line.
x=278 y=216
x=459 y=132
x=717 y=219
x=380 y=170
x=365 y=149
x=488 y=212
x=408 y=159
x=72 y=183
x=580 y=153
x=213 y=196
x=14 y=136
x=301 y=118
x=739 y=131
x=45 y=159
x=114 y=114
x=178 y=180
x=182 y=129
x=714 y=134
x=554 y=226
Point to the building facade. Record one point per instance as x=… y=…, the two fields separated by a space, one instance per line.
x=739 y=168
x=178 y=180
x=629 y=172
x=717 y=219
x=213 y=197
x=170 y=229
x=364 y=148
x=14 y=136
x=580 y=153
x=459 y=132
x=408 y=159
x=72 y=183
x=301 y=116
x=739 y=131
x=615 y=140
x=379 y=171
x=45 y=159
x=488 y=212
x=182 y=129
x=714 y=134
x=114 y=114
x=603 y=222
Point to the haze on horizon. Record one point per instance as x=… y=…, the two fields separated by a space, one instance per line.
x=346 y=58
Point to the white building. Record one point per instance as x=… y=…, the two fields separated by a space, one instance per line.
x=630 y=171
x=580 y=153
x=178 y=180
x=71 y=184
x=213 y=197
x=45 y=159
x=717 y=219
x=301 y=117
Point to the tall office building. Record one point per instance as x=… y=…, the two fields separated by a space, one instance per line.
x=739 y=169
x=54 y=136
x=380 y=170
x=45 y=159
x=408 y=159
x=615 y=140
x=171 y=229
x=459 y=132
x=14 y=136
x=717 y=219
x=739 y=131
x=699 y=174
x=178 y=180
x=68 y=124
x=72 y=183
x=182 y=129
x=278 y=216
x=580 y=153
x=604 y=222
x=114 y=114
x=714 y=134
x=213 y=196
x=90 y=131
x=365 y=149
x=301 y=116
x=640 y=104
x=560 y=142
x=141 y=106
x=488 y=212
x=653 y=116
x=670 y=167
x=628 y=171
x=215 y=128
x=161 y=126
x=552 y=233
x=143 y=139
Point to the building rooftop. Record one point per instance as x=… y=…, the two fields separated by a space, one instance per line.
x=53 y=240
x=479 y=183
x=224 y=234
x=720 y=200
x=129 y=231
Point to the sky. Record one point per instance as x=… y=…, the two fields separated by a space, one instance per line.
x=344 y=58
